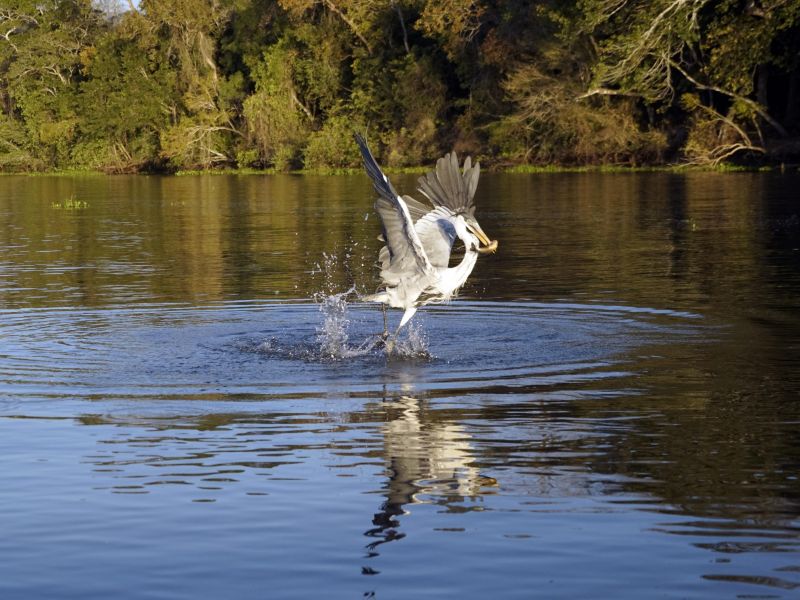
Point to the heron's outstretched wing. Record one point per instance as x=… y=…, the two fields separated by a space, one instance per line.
x=380 y=182
x=416 y=209
x=450 y=187
x=406 y=255
x=437 y=234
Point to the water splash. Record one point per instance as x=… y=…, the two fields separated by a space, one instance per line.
x=413 y=342
x=332 y=335
x=337 y=337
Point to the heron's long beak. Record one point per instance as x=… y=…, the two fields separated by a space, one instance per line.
x=489 y=246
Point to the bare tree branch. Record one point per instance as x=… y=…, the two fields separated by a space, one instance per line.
x=607 y=92
x=334 y=9
x=301 y=106
x=751 y=103
x=402 y=25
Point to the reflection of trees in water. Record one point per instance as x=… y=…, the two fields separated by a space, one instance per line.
x=654 y=239
x=186 y=238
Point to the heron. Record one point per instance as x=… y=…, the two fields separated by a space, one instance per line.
x=418 y=238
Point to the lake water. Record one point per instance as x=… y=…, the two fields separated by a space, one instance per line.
x=189 y=407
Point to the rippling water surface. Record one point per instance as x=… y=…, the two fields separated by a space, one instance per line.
x=193 y=405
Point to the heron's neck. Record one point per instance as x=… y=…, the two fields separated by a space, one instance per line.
x=456 y=276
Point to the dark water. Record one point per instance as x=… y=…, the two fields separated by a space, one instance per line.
x=610 y=410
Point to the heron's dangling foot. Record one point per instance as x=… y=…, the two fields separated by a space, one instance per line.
x=384 y=336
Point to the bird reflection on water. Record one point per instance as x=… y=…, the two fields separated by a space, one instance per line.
x=427 y=457
x=423 y=457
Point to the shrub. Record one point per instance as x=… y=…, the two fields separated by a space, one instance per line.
x=332 y=147
x=550 y=124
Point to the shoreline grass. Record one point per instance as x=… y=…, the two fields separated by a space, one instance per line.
x=418 y=170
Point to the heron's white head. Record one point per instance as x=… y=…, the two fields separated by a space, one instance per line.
x=472 y=235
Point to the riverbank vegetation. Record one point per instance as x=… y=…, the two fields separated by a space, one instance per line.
x=167 y=85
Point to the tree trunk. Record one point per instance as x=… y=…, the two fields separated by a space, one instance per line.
x=402 y=26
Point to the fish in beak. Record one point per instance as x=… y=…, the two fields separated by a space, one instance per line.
x=488 y=246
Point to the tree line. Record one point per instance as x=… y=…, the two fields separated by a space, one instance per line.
x=162 y=85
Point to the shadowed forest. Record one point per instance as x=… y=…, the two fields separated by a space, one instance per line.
x=164 y=85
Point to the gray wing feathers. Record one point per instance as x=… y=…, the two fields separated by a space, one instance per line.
x=416 y=209
x=379 y=181
x=437 y=234
x=450 y=187
x=404 y=250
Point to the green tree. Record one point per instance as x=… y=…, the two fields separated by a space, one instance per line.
x=171 y=84
x=277 y=122
x=203 y=131
x=127 y=99
x=701 y=55
x=548 y=121
x=41 y=45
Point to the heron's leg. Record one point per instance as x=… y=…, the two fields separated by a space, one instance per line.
x=406 y=318
x=410 y=311
x=385 y=333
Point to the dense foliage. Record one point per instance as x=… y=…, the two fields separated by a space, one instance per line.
x=185 y=84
